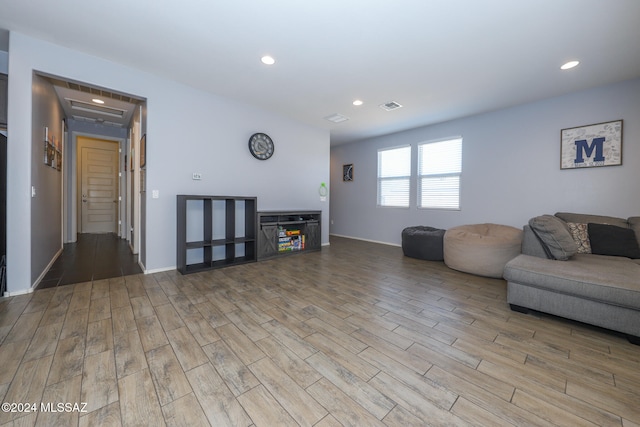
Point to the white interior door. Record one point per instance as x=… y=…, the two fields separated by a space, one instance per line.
x=98 y=178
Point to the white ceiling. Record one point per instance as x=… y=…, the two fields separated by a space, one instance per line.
x=440 y=59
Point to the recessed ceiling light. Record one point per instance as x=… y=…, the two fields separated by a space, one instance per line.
x=357 y=102
x=569 y=65
x=268 y=60
x=98 y=101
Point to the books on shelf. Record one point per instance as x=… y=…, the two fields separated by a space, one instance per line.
x=290 y=240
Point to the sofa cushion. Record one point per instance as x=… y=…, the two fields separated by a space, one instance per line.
x=634 y=224
x=613 y=280
x=597 y=219
x=580 y=234
x=555 y=235
x=611 y=240
x=532 y=245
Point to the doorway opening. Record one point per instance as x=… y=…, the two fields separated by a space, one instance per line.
x=101 y=198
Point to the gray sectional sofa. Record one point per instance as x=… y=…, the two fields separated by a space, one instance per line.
x=580 y=267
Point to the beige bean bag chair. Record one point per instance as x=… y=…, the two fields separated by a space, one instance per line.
x=481 y=249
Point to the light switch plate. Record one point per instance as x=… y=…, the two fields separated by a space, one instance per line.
x=155 y=194
x=197 y=176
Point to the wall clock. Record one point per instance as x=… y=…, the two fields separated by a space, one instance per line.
x=261 y=146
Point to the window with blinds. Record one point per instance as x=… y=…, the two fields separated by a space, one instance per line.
x=394 y=176
x=439 y=170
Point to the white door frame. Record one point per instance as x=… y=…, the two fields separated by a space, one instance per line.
x=72 y=199
x=134 y=200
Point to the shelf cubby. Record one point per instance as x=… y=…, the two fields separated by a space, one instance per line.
x=215 y=231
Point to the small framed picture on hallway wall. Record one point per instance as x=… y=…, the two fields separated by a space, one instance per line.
x=143 y=151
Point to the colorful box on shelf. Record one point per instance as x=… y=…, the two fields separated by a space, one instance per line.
x=291 y=243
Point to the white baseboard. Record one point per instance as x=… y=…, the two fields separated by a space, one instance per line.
x=159 y=270
x=22 y=292
x=366 y=240
x=46 y=270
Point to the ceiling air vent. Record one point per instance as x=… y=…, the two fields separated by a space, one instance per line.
x=84 y=119
x=336 y=118
x=88 y=107
x=391 y=105
x=114 y=124
x=94 y=91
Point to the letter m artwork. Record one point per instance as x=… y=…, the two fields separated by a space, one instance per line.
x=591 y=146
x=582 y=146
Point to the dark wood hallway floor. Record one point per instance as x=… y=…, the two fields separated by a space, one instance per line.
x=92 y=257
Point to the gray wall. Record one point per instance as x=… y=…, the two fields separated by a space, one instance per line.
x=46 y=206
x=4 y=62
x=511 y=168
x=187 y=131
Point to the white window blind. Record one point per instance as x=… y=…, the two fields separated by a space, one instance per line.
x=394 y=176
x=439 y=170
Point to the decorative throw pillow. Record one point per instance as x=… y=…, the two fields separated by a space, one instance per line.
x=555 y=236
x=612 y=240
x=580 y=235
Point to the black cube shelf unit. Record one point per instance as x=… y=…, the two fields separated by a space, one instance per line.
x=288 y=232
x=215 y=231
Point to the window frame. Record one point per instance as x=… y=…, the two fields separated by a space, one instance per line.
x=420 y=177
x=408 y=178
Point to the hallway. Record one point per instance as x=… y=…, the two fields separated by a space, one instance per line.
x=91 y=257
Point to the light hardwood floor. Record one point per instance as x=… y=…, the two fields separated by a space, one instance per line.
x=353 y=335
